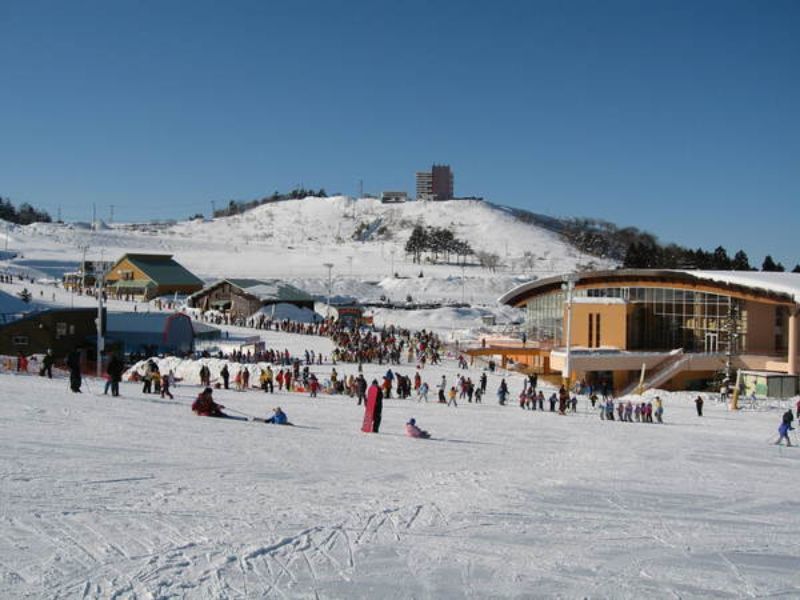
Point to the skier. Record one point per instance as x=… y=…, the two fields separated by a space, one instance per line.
x=698 y=402
x=483 y=383
x=415 y=432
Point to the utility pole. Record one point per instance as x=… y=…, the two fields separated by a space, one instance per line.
x=569 y=287
x=83 y=266
x=100 y=339
x=329 y=266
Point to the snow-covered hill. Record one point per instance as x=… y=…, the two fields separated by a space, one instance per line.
x=363 y=239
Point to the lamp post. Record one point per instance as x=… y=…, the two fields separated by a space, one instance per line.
x=100 y=339
x=329 y=266
x=568 y=286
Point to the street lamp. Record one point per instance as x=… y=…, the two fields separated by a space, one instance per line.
x=329 y=266
x=568 y=286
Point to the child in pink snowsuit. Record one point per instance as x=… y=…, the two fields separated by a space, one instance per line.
x=415 y=432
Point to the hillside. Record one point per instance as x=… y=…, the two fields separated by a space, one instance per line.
x=363 y=239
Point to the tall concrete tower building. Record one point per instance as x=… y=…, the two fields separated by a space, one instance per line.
x=436 y=184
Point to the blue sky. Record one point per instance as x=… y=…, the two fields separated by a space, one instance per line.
x=681 y=118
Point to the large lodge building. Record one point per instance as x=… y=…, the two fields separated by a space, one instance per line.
x=678 y=327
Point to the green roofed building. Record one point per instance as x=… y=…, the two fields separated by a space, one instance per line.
x=241 y=298
x=146 y=276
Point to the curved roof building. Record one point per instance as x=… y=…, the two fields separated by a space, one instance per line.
x=679 y=327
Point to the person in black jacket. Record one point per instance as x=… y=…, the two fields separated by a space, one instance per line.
x=114 y=370
x=74 y=364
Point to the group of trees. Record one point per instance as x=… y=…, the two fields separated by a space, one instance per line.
x=24 y=215
x=236 y=207
x=438 y=242
x=641 y=255
x=638 y=249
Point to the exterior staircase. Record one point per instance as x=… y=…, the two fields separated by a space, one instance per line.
x=664 y=371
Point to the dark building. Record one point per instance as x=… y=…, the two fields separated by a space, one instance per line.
x=240 y=298
x=436 y=184
x=154 y=333
x=59 y=330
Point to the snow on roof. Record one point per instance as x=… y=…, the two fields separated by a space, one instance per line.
x=779 y=282
x=766 y=282
x=271 y=290
x=13 y=305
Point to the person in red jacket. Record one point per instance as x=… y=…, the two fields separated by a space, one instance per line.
x=204 y=405
x=373 y=408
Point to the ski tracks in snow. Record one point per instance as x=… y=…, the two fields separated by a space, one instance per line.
x=105 y=555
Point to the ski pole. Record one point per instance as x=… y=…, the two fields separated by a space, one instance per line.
x=238 y=412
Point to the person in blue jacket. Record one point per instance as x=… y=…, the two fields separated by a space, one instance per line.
x=785 y=428
x=278 y=417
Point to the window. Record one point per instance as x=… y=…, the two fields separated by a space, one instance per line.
x=591 y=329
x=61 y=330
x=597 y=330
x=20 y=340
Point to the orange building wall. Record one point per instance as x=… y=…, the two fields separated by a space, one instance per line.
x=613 y=325
x=125 y=265
x=760 y=328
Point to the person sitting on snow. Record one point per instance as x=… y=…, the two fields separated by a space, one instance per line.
x=204 y=405
x=278 y=417
x=415 y=432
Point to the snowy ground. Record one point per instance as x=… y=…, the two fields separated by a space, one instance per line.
x=134 y=497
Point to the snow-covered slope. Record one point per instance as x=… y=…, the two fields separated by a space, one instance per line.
x=294 y=239
x=135 y=497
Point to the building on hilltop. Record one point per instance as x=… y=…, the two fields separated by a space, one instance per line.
x=147 y=276
x=436 y=184
x=394 y=197
x=681 y=328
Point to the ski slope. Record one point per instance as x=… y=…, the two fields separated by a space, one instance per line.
x=135 y=497
x=292 y=240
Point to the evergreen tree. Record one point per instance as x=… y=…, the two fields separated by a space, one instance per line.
x=796 y=269
x=720 y=260
x=417 y=243
x=741 y=262
x=769 y=265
